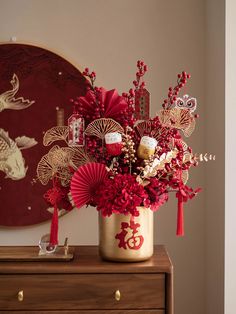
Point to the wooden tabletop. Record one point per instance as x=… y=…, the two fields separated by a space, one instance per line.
x=86 y=260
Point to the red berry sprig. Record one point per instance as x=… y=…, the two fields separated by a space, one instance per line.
x=129 y=118
x=174 y=92
x=142 y=69
x=90 y=75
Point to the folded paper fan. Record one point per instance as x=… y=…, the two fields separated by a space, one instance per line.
x=86 y=181
x=113 y=104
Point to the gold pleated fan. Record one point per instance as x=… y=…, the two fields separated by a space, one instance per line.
x=80 y=157
x=55 y=163
x=100 y=127
x=178 y=118
x=56 y=133
x=144 y=128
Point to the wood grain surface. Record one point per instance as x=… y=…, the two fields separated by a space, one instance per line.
x=91 y=291
x=86 y=260
x=31 y=254
x=90 y=312
x=87 y=284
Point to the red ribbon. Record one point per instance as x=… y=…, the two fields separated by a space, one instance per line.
x=54 y=227
x=180 y=215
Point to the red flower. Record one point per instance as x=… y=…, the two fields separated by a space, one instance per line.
x=120 y=195
x=157 y=194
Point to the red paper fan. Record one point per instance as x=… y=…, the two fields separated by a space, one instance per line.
x=86 y=181
x=113 y=104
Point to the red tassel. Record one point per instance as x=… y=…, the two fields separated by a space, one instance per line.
x=54 y=227
x=180 y=216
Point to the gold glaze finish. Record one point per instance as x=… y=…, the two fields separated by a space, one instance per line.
x=110 y=226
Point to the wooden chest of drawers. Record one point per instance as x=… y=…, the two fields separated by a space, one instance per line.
x=88 y=285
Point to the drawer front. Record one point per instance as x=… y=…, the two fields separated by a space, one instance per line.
x=81 y=291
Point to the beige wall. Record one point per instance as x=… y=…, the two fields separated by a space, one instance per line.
x=109 y=36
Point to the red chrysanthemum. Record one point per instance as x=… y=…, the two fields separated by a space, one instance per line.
x=157 y=194
x=121 y=194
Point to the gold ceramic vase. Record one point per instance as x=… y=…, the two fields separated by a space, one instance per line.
x=125 y=238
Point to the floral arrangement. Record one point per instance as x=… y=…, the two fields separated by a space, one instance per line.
x=117 y=158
